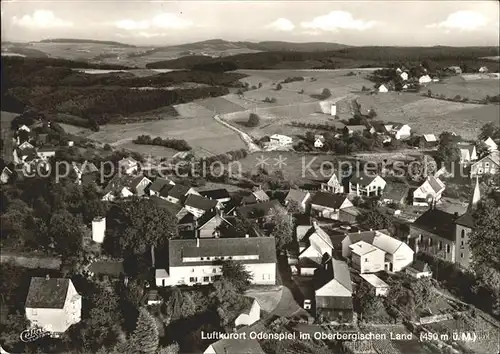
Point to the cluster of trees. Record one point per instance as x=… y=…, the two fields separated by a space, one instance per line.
x=448 y=151
x=492 y=99
x=326 y=127
x=253 y=120
x=352 y=57
x=269 y=100
x=293 y=79
x=176 y=144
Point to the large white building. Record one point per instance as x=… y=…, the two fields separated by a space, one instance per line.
x=53 y=304
x=281 y=140
x=198 y=261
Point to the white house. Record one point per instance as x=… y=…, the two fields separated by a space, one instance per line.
x=197 y=261
x=198 y=205
x=483 y=69
x=281 y=140
x=328 y=205
x=429 y=192
x=419 y=269
x=424 y=79
x=5 y=175
x=492 y=146
x=25 y=128
x=366 y=258
x=25 y=145
x=383 y=88
x=468 y=152
x=333 y=185
x=158 y=184
x=319 y=245
x=53 y=304
x=249 y=315
x=128 y=165
x=380 y=287
x=319 y=142
x=362 y=184
x=404 y=76
x=400 y=131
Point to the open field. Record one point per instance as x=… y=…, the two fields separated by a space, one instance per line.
x=472 y=89
x=204 y=135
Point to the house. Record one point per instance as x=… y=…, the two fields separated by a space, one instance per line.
x=488 y=165
x=249 y=315
x=398 y=255
x=351 y=129
x=395 y=193
x=424 y=79
x=490 y=143
x=118 y=187
x=400 y=131
x=128 y=165
x=328 y=205
x=197 y=261
x=483 y=69
x=235 y=346
x=383 y=88
x=430 y=191
x=6 y=174
x=333 y=292
x=366 y=258
x=139 y=185
x=350 y=215
x=46 y=152
x=333 y=185
x=319 y=143
x=25 y=145
x=280 y=140
x=468 y=152
x=207 y=225
x=86 y=172
x=53 y=304
x=419 y=269
x=456 y=69
x=380 y=288
x=198 y=205
x=404 y=76
x=299 y=197
x=314 y=250
x=158 y=185
x=177 y=193
x=430 y=140
x=366 y=184
x=25 y=128
x=220 y=195
x=257 y=210
x=260 y=195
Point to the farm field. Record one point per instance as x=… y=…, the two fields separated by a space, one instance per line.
x=472 y=89
x=203 y=134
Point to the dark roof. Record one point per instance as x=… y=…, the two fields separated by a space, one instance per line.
x=420 y=266
x=173 y=208
x=158 y=184
x=165 y=190
x=328 y=199
x=135 y=182
x=237 y=346
x=257 y=210
x=249 y=199
x=437 y=222
x=436 y=184
x=396 y=191
x=361 y=178
x=200 y=202
x=466 y=220
x=178 y=191
x=296 y=195
x=216 y=194
x=334 y=302
x=47 y=293
x=114 y=268
x=264 y=247
x=118 y=182
x=356 y=128
x=309 y=262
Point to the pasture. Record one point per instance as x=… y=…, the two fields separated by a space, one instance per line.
x=472 y=89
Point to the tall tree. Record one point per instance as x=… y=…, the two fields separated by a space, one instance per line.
x=485 y=238
x=282 y=227
x=144 y=339
x=376 y=220
x=237 y=275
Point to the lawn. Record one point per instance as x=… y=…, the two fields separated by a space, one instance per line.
x=472 y=89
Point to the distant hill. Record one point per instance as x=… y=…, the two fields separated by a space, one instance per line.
x=90 y=41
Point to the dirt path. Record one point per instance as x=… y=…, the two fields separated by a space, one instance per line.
x=247 y=139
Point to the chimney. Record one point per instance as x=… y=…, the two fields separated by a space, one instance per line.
x=197 y=242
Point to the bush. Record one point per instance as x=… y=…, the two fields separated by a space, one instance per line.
x=270 y=100
x=292 y=79
x=176 y=144
x=107 y=147
x=253 y=120
x=278 y=87
x=326 y=93
x=301 y=91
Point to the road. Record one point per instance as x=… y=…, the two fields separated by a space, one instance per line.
x=247 y=139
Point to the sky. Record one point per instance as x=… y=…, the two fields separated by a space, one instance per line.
x=375 y=22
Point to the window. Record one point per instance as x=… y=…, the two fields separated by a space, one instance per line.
x=208 y=258
x=461 y=255
x=206 y=279
x=462 y=243
x=440 y=245
x=448 y=248
x=486 y=164
x=430 y=241
x=463 y=234
x=366 y=259
x=230 y=257
x=201 y=258
x=192 y=279
x=214 y=270
x=34 y=312
x=192 y=270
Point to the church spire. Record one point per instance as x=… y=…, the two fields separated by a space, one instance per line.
x=476 y=196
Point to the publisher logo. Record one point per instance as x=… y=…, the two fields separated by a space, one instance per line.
x=31 y=335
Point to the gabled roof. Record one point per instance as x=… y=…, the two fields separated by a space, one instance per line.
x=85 y=167
x=362 y=178
x=47 y=293
x=260 y=195
x=159 y=183
x=135 y=182
x=356 y=128
x=374 y=281
x=296 y=195
x=466 y=219
x=328 y=199
x=128 y=161
x=361 y=248
x=178 y=191
x=366 y=236
x=165 y=190
x=334 y=269
x=264 y=247
x=430 y=138
x=199 y=202
x=216 y=194
x=162 y=203
x=420 y=266
x=437 y=222
x=436 y=184
x=257 y=210
x=387 y=243
x=494 y=157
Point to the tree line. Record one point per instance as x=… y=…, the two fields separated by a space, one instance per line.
x=176 y=144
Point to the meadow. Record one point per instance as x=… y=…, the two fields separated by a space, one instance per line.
x=472 y=89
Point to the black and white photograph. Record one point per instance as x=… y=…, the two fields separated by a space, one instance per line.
x=250 y=177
